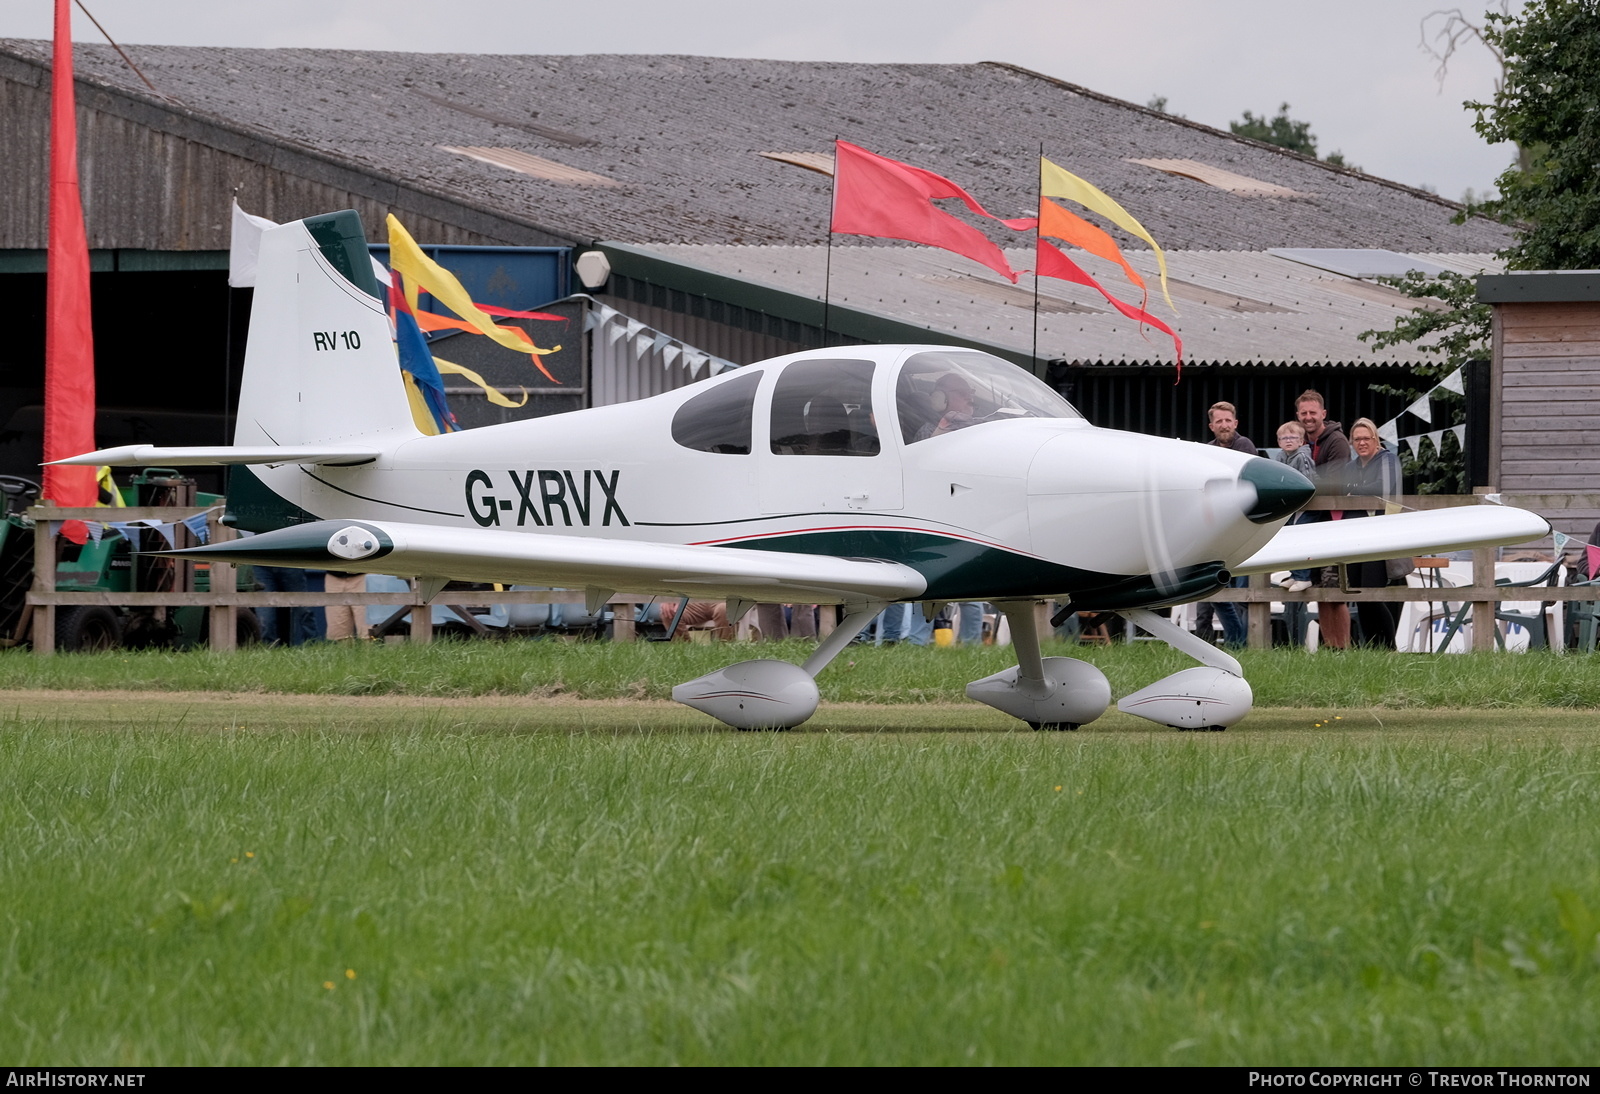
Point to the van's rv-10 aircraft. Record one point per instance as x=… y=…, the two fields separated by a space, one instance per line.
x=861 y=476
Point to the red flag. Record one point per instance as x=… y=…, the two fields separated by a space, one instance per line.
x=875 y=196
x=1052 y=263
x=68 y=337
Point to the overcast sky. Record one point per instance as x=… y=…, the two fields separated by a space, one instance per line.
x=1353 y=68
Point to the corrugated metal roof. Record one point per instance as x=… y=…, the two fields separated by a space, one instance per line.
x=681 y=134
x=1295 y=314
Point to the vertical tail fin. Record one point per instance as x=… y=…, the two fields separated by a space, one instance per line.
x=320 y=363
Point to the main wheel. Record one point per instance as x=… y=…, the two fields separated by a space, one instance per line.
x=89 y=628
x=1054 y=727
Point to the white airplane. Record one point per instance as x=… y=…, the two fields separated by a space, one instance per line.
x=860 y=475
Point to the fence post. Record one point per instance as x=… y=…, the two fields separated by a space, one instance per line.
x=1259 y=616
x=224 y=619
x=622 y=622
x=421 y=618
x=44 y=581
x=1483 y=620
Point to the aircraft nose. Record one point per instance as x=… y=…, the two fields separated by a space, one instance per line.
x=1279 y=490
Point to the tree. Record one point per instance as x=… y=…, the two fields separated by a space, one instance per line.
x=1548 y=104
x=1455 y=330
x=1282 y=131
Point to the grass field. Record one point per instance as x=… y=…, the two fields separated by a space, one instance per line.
x=258 y=877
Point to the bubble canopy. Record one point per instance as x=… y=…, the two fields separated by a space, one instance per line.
x=941 y=391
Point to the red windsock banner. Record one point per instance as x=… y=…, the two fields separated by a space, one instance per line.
x=69 y=336
x=876 y=196
x=1052 y=263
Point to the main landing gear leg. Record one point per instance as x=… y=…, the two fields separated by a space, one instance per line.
x=1045 y=692
x=770 y=694
x=1213 y=697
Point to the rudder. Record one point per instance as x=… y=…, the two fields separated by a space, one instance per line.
x=320 y=364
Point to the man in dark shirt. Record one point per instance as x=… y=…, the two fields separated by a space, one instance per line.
x=1223 y=418
x=1331 y=453
x=1224 y=421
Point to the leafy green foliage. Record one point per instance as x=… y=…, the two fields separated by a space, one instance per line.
x=1549 y=106
x=1281 y=130
x=1454 y=328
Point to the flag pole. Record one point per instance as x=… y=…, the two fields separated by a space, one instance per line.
x=827 y=267
x=1038 y=209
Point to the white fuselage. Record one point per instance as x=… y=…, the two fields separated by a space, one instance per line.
x=1021 y=501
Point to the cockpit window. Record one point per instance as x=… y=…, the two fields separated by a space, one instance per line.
x=943 y=391
x=719 y=420
x=824 y=408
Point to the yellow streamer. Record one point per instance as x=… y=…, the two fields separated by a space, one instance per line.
x=1057 y=182
x=420 y=270
x=493 y=394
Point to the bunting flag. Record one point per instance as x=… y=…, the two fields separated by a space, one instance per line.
x=199 y=526
x=419 y=271
x=643 y=340
x=69 y=334
x=1052 y=263
x=1057 y=182
x=1069 y=227
x=887 y=199
x=1423 y=409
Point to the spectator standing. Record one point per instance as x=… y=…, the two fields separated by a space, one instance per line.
x=1293 y=451
x=345 y=620
x=1330 y=452
x=1374 y=472
x=1223 y=420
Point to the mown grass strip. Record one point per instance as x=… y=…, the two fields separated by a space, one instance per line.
x=865 y=674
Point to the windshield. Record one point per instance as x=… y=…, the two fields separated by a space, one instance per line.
x=943 y=391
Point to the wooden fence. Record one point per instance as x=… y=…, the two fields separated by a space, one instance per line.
x=223 y=600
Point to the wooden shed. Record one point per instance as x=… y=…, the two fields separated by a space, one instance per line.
x=1545 y=410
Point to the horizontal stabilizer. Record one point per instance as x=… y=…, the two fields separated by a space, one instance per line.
x=570 y=562
x=141 y=455
x=1301 y=546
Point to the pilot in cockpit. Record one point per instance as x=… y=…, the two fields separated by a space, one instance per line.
x=955 y=393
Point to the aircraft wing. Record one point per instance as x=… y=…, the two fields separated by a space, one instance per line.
x=1301 y=546
x=532 y=558
x=140 y=455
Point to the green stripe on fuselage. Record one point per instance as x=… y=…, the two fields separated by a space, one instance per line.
x=956 y=569
x=959 y=569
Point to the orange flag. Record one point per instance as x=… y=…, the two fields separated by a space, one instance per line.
x=1070 y=228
